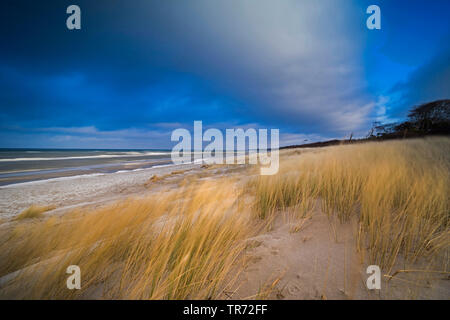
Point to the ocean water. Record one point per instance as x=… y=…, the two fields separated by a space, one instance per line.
x=23 y=165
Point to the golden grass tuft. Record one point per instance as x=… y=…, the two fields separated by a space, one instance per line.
x=156 y=178
x=176 y=172
x=176 y=245
x=398 y=191
x=33 y=212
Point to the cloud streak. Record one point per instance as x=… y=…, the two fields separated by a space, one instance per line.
x=297 y=65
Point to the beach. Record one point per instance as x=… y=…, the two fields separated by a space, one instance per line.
x=67 y=178
x=79 y=189
x=271 y=237
x=23 y=165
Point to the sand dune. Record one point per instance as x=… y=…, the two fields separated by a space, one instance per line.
x=224 y=232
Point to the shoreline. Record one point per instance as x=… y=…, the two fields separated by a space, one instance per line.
x=20 y=177
x=80 y=189
x=278 y=236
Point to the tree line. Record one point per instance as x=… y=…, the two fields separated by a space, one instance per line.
x=432 y=118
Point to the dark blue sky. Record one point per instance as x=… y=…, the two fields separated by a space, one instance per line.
x=139 y=69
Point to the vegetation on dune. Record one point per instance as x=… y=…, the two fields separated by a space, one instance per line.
x=428 y=119
x=187 y=243
x=398 y=191
x=432 y=118
x=177 y=245
x=33 y=212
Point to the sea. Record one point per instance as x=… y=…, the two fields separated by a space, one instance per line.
x=24 y=165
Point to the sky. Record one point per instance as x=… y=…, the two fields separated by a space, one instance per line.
x=138 y=69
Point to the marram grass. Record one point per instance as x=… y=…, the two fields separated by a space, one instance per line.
x=189 y=243
x=398 y=190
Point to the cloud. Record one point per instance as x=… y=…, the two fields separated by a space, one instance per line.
x=289 y=139
x=85 y=137
x=295 y=62
x=134 y=73
x=134 y=138
x=278 y=63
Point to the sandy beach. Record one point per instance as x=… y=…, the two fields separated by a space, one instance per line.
x=286 y=255
x=79 y=190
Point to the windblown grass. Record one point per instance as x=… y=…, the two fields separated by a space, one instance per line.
x=33 y=212
x=177 y=245
x=187 y=243
x=398 y=191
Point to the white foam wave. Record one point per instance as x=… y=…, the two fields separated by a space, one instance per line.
x=128 y=154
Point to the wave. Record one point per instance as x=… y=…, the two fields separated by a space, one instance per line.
x=87 y=175
x=132 y=170
x=128 y=154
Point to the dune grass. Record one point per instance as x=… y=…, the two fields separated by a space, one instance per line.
x=33 y=211
x=176 y=245
x=188 y=243
x=398 y=191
